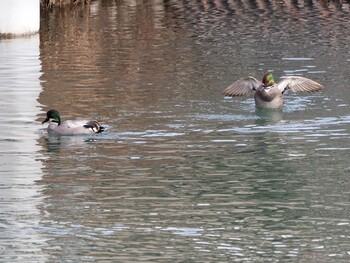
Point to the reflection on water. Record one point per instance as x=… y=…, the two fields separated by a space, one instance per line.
x=182 y=173
x=19 y=167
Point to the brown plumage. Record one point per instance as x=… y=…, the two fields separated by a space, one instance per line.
x=269 y=94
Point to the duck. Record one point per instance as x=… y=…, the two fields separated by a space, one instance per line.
x=70 y=127
x=268 y=93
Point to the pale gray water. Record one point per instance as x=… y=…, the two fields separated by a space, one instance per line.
x=182 y=174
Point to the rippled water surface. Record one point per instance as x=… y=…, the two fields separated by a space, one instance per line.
x=181 y=174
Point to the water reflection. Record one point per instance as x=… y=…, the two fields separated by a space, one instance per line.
x=56 y=143
x=19 y=165
x=268 y=116
x=184 y=173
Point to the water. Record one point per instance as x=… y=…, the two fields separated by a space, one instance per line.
x=182 y=174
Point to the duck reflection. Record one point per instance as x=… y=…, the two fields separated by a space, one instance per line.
x=55 y=143
x=267 y=116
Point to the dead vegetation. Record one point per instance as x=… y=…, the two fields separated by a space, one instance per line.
x=46 y=4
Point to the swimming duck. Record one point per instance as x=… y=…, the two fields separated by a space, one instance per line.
x=70 y=127
x=268 y=93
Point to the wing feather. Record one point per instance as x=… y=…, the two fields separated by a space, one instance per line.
x=299 y=84
x=95 y=126
x=242 y=87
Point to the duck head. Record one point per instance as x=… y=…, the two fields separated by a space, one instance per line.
x=268 y=80
x=54 y=116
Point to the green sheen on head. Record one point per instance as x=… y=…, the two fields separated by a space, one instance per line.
x=53 y=115
x=268 y=79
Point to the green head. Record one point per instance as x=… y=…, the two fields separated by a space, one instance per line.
x=54 y=116
x=268 y=80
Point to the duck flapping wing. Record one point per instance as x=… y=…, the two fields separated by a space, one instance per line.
x=242 y=87
x=299 y=84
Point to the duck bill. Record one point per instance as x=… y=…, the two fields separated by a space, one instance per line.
x=46 y=120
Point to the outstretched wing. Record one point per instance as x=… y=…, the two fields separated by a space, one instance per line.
x=242 y=87
x=298 y=84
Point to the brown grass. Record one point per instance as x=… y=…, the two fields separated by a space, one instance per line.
x=59 y=3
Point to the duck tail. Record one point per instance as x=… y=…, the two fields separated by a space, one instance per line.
x=102 y=128
x=95 y=126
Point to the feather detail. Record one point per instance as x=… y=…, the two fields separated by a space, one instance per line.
x=269 y=94
x=71 y=127
x=94 y=126
x=298 y=84
x=242 y=87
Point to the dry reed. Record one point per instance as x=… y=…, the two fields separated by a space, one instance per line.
x=59 y=3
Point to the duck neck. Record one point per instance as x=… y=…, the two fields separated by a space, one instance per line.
x=266 y=95
x=57 y=120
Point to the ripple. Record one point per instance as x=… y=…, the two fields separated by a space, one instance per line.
x=298 y=59
x=182 y=174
